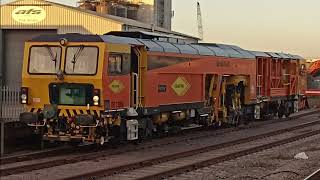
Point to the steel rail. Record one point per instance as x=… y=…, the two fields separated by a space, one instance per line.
x=79 y=158
x=314 y=176
x=208 y=162
x=159 y=160
x=72 y=150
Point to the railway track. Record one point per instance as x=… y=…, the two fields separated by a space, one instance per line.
x=314 y=176
x=172 y=164
x=95 y=155
x=198 y=133
x=42 y=154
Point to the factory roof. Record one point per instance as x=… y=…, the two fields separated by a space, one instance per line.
x=126 y=22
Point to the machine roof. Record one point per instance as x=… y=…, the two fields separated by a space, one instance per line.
x=260 y=54
x=120 y=40
x=297 y=57
x=284 y=56
x=276 y=55
x=204 y=49
x=71 y=37
x=194 y=49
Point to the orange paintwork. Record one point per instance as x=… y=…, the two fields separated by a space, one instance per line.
x=194 y=72
x=314 y=68
x=273 y=82
x=120 y=99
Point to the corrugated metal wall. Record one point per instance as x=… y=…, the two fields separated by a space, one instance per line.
x=58 y=19
x=66 y=20
x=14 y=48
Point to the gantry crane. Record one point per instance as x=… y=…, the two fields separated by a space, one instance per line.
x=200 y=26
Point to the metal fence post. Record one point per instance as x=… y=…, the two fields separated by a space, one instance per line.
x=10 y=108
x=1 y=122
x=2 y=137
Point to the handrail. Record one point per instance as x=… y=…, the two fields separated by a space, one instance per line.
x=39 y=125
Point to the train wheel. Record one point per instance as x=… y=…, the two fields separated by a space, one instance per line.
x=237 y=122
x=234 y=119
x=287 y=113
x=281 y=112
x=217 y=124
x=41 y=138
x=206 y=121
x=287 y=110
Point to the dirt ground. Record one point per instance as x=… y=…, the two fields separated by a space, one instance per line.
x=274 y=164
x=314 y=101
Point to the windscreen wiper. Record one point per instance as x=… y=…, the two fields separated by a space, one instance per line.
x=52 y=56
x=76 y=56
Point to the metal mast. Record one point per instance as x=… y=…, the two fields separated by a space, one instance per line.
x=200 y=27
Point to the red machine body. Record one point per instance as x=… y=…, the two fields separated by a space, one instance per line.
x=277 y=75
x=177 y=79
x=193 y=72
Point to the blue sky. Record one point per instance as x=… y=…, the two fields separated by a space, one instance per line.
x=272 y=25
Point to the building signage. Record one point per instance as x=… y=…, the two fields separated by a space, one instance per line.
x=29 y=14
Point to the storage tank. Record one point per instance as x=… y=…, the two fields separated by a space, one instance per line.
x=87 y=5
x=103 y=8
x=121 y=11
x=132 y=13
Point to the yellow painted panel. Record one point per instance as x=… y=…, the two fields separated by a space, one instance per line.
x=65 y=19
x=38 y=84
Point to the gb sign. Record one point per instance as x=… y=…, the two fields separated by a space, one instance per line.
x=29 y=14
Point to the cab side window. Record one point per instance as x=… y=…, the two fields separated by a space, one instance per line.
x=119 y=64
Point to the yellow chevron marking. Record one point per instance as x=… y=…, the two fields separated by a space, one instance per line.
x=92 y=112
x=64 y=112
x=71 y=112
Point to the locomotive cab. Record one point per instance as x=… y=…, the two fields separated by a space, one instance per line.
x=71 y=82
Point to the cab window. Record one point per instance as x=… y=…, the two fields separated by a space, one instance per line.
x=119 y=64
x=44 y=59
x=82 y=60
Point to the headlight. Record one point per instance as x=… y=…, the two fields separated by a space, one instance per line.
x=24 y=95
x=63 y=42
x=96 y=97
x=96 y=100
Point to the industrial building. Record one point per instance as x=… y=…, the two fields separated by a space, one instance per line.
x=23 y=19
x=156 y=12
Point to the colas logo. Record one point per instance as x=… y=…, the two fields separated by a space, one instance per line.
x=180 y=86
x=29 y=14
x=116 y=86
